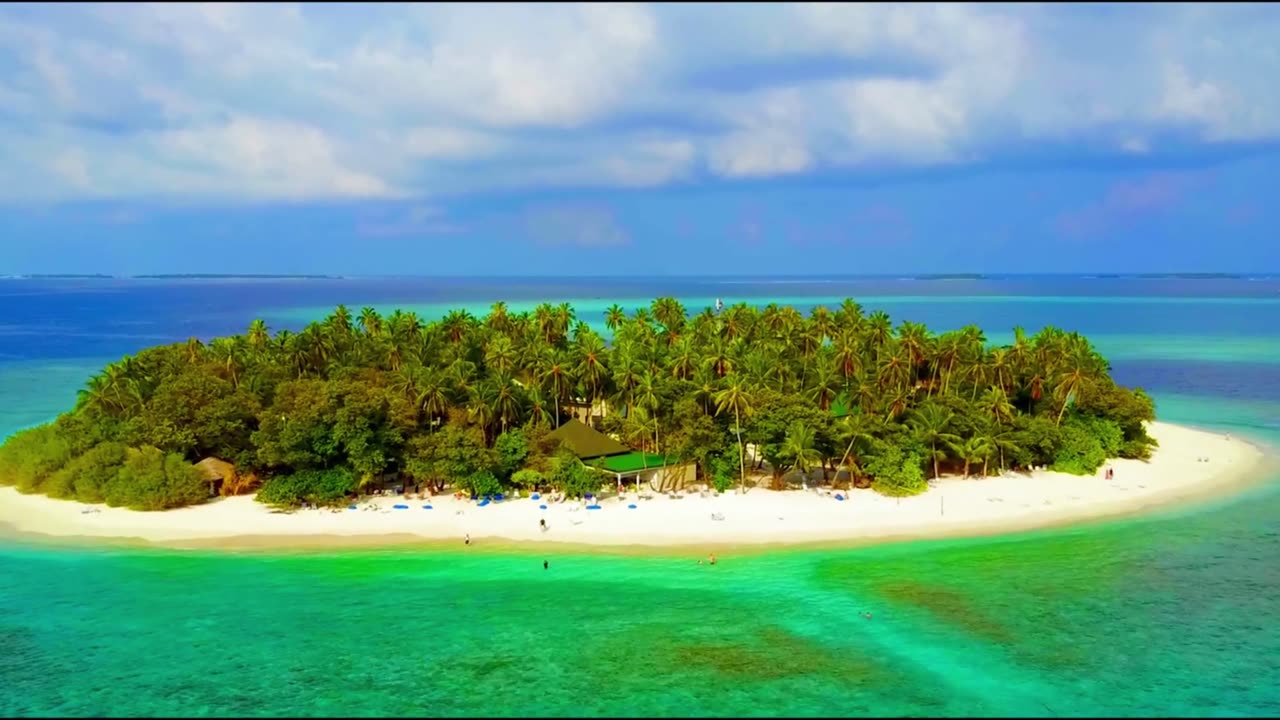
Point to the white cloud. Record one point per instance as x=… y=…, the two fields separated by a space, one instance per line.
x=416 y=221
x=575 y=225
x=296 y=102
x=546 y=65
x=1135 y=146
x=280 y=159
x=446 y=142
x=760 y=153
x=70 y=165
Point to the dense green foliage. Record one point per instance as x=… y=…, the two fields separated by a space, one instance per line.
x=467 y=402
x=322 y=487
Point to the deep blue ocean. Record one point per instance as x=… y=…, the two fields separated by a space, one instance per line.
x=1170 y=613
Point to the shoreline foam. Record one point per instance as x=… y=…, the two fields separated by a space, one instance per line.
x=762 y=520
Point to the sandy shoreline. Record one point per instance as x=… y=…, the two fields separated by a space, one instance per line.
x=760 y=519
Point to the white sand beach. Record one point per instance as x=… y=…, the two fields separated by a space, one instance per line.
x=953 y=506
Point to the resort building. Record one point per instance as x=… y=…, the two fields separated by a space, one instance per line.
x=588 y=412
x=603 y=453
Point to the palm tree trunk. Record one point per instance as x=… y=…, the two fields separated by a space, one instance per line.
x=1063 y=411
x=845 y=460
x=742 y=451
x=934 y=447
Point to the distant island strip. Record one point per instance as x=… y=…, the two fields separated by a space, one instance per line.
x=885 y=276
x=175 y=276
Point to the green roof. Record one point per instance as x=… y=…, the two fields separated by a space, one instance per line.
x=632 y=462
x=587 y=442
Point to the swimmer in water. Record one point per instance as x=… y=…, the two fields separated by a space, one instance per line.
x=545 y=564
x=712 y=559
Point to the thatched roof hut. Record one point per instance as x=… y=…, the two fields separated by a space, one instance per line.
x=215 y=469
x=218 y=473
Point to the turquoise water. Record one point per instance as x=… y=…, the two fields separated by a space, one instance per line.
x=1172 y=613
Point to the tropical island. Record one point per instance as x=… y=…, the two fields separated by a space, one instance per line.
x=522 y=404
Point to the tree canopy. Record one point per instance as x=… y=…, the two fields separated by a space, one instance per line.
x=467 y=402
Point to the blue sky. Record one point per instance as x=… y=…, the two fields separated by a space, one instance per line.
x=620 y=139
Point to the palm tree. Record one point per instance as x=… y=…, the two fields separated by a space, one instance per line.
x=500 y=354
x=670 y=314
x=498 y=319
x=821 y=322
x=340 y=321
x=539 y=408
x=1004 y=441
x=856 y=429
x=194 y=350
x=590 y=365
x=259 y=337
x=370 y=322
x=553 y=374
x=996 y=404
x=432 y=393
x=504 y=395
x=976 y=449
x=614 y=316
x=227 y=352
x=1078 y=368
x=824 y=387
x=932 y=422
x=798 y=446
x=734 y=397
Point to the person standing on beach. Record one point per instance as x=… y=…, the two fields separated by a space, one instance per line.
x=466 y=540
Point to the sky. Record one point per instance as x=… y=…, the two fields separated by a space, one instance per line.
x=619 y=139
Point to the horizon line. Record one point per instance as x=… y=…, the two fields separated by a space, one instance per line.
x=808 y=277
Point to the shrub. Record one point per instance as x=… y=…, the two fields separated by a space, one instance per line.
x=528 y=478
x=322 y=487
x=86 y=477
x=1084 y=445
x=151 y=480
x=479 y=483
x=32 y=456
x=896 y=473
x=723 y=470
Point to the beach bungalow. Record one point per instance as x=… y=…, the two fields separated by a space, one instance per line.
x=603 y=453
x=217 y=473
